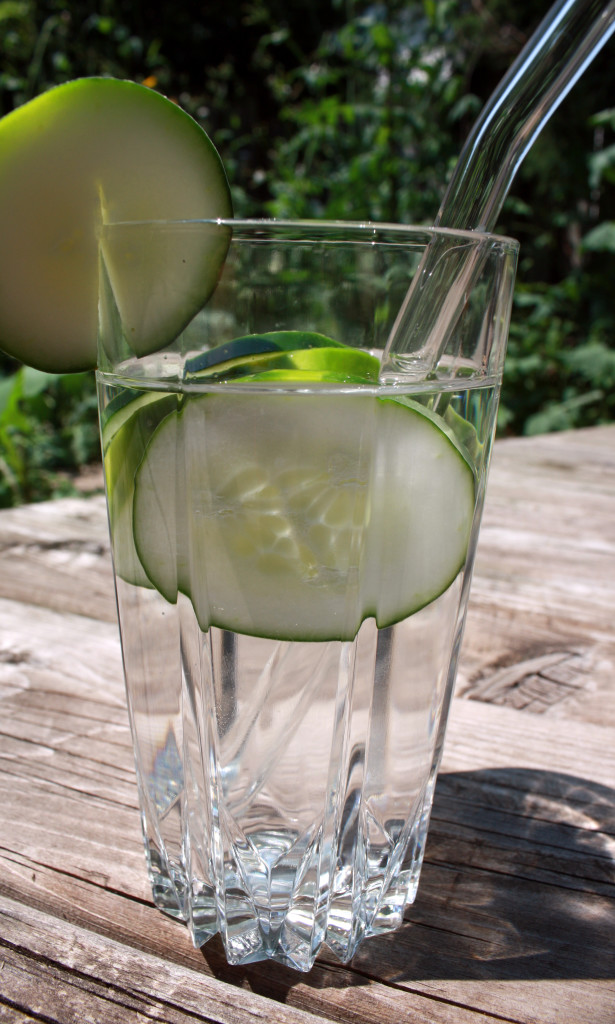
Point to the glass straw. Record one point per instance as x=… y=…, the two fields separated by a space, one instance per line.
x=559 y=51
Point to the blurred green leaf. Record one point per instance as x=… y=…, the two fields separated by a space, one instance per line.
x=601 y=238
x=561 y=415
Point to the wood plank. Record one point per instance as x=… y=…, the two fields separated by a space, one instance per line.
x=516 y=906
x=454 y=940
x=505 y=840
x=62 y=973
x=88 y=961
x=540 y=624
x=57 y=554
x=486 y=736
x=59 y=652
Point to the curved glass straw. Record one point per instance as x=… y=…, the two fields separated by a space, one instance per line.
x=561 y=48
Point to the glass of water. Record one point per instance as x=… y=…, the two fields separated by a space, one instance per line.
x=293 y=542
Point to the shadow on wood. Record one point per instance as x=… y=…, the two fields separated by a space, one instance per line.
x=518 y=883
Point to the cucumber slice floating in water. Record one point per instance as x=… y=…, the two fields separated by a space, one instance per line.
x=94 y=151
x=123 y=407
x=298 y=516
x=283 y=354
x=231 y=354
x=125 y=437
x=339 y=361
x=342 y=375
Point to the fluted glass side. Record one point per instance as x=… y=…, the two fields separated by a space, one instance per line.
x=285 y=786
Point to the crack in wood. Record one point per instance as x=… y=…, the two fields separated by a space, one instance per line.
x=34 y=549
x=95 y=880
x=534 y=684
x=27 y=1015
x=416 y=990
x=9 y=657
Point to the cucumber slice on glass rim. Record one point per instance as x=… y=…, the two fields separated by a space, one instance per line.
x=91 y=152
x=296 y=517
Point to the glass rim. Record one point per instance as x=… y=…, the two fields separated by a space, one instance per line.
x=313 y=229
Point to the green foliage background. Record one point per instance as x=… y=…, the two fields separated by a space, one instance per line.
x=349 y=109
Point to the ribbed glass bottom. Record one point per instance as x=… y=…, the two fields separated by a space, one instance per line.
x=285 y=787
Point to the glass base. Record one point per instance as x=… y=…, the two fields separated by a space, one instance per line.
x=289 y=925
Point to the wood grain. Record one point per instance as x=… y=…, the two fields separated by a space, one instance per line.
x=57 y=555
x=515 y=918
x=541 y=625
x=91 y=978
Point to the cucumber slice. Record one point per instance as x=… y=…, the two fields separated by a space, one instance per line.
x=460 y=431
x=283 y=351
x=159 y=278
x=232 y=353
x=94 y=151
x=339 y=362
x=125 y=437
x=122 y=408
x=330 y=376
x=296 y=517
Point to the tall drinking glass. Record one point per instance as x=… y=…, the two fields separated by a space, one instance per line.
x=293 y=543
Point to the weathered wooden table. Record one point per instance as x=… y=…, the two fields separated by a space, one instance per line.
x=515 y=919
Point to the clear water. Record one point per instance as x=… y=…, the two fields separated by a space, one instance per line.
x=286 y=786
